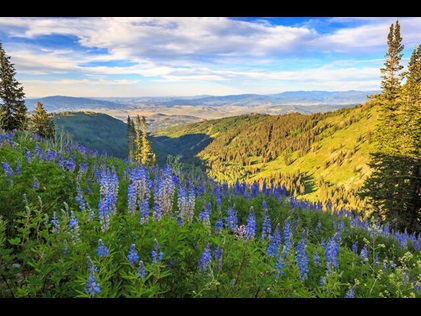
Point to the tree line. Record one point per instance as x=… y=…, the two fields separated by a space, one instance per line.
x=394 y=188
x=13 y=111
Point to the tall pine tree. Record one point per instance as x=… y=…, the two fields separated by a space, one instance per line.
x=147 y=154
x=12 y=106
x=392 y=188
x=138 y=140
x=42 y=123
x=131 y=135
x=142 y=151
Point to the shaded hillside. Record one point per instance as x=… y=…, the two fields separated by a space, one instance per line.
x=94 y=130
x=321 y=156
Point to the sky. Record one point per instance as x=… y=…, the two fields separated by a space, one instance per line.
x=190 y=56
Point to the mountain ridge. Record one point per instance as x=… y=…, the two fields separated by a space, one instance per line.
x=301 y=97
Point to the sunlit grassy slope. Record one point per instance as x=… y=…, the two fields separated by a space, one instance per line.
x=339 y=152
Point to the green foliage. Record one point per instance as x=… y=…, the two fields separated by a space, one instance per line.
x=393 y=190
x=43 y=258
x=12 y=109
x=41 y=123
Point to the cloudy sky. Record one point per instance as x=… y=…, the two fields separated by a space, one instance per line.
x=186 y=56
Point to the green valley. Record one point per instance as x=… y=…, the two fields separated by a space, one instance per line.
x=319 y=157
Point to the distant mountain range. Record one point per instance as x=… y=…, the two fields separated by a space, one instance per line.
x=295 y=98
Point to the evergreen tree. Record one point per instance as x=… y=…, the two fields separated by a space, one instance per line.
x=392 y=76
x=393 y=188
x=138 y=141
x=131 y=135
x=12 y=109
x=42 y=123
x=147 y=158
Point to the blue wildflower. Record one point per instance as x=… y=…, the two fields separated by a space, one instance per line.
x=274 y=243
x=350 y=293
x=332 y=254
x=205 y=259
x=266 y=225
x=102 y=250
x=302 y=258
x=92 y=285
x=218 y=224
x=251 y=225
x=156 y=253
x=141 y=270
x=133 y=255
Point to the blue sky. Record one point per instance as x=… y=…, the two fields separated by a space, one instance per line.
x=186 y=56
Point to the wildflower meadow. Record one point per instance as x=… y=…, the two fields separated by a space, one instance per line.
x=75 y=223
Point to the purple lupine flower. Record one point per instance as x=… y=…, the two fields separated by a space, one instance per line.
x=141 y=270
x=28 y=156
x=231 y=219
x=218 y=224
x=316 y=259
x=279 y=265
x=204 y=216
x=35 y=183
x=218 y=196
x=250 y=230
x=156 y=213
x=73 y=227
x=289 y=243
x=302 y=258
x=255 y=189
x=264 y=205
x=102 y=250
x=79 y=197
x=332 y=250
x=70 y=164
x=205 y=259
x=181 y=199
x=132 y=195
x=266 y=225
x=37 y=149
x=133 y=255
x=274 y=243
x=144 y=212
x=322 y=281
x=191 y=200
x=355 y=247
x=92 y=285
x=18 y=168
x=156 y=253
x=165 y=190
x=56 y=222
x=350 y=293
x=364 y=253
x=83 y=168
x=319 y=225
x=7 y=170
x=218 y=259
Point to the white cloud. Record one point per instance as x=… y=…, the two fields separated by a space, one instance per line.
x=200 y=52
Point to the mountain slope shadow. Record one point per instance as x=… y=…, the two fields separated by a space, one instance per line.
x=186 y=146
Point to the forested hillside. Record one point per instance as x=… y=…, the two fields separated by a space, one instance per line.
x=320 y=156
